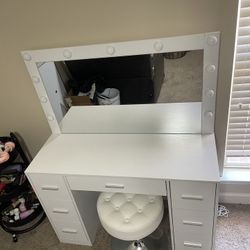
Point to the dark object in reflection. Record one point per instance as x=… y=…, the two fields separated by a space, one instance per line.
x=138 y=78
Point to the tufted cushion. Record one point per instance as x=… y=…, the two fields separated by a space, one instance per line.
x=129 y=216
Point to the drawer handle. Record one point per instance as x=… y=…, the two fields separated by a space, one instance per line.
x=192 y=197
x=192 y=244
x=114 y=185
x=193 y=223
x=70 y=231
x=60 y=211
x=53 y=188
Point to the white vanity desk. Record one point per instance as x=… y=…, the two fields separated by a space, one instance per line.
x=183 y=166
x=161 y=149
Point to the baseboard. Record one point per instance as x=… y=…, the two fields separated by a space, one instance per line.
x=236 y=198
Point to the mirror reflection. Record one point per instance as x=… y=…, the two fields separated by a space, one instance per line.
x=139 y=79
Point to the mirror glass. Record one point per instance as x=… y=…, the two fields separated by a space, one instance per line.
x=174 y=77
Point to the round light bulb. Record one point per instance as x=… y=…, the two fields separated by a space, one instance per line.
x=36 y=79
x=67 y=53
x=110 y=50
x=158 y=46
x=43 y=99
x=210 y=68
x=50 y=118
x=27 y=57
x=212 y=40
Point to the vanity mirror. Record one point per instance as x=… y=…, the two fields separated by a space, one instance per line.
x=135 y=82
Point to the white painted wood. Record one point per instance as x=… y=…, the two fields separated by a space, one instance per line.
x=170 y=215
x=151 y=156
x=70 y=232
x=54 y=88
x=121 y=185
x=216 y=199
x=41 y=93
x=139 y=119
x=210 y=69
x=139 y=47
x=61 y=210
x=161 y=45
x=193 y=219
x=191 y=241
x=45 y=208
x=193 y=195
x=50 y=187
x=187 y=219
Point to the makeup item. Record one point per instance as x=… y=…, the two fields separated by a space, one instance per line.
x=22 y=207
x=11 y=213
x=35 y=205
x=15 y=203
x=25 y=214
x=2 y=186
x=16 y=214
x=10 y=209
x=16 y=217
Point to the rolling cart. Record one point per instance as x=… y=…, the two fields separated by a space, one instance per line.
x=20 y=210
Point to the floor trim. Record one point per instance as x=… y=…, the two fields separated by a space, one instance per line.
x=236 y=198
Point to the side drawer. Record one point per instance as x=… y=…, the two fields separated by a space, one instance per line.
x=197 y=222
x=49 y=186
x=70 y=232
x=193 y=229
x=61 y=210
x=112 y=184
x=186 y=241
x=193 y=195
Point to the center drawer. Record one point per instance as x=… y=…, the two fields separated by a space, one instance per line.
x=113 y=184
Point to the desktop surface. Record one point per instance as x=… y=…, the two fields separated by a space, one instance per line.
x=152 y=156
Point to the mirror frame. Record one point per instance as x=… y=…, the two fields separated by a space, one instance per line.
x=208 y=42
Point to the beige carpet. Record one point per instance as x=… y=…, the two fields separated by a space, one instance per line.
x=233 y=233
x=183 y=78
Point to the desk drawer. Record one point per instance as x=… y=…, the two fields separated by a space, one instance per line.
x=71 y=232
x=193 y=229
x=112 y=184
x=199 y=222
x=50 y=186
x=61 y=210
x=187 y=241
x=193 y=195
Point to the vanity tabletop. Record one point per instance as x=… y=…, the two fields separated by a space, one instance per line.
x=152 y=156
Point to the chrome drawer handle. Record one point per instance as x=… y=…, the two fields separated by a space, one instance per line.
x=192 y=197
x=192 y=244
x=60 y=211
x=192 y=223
x=114 y=185
x=70 y=231
x=53 y=188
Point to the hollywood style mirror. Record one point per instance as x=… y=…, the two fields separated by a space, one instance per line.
x=165 y=85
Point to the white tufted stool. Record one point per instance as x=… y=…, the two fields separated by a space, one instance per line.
x=130 y=217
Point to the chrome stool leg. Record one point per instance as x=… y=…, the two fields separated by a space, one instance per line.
x=137 y=245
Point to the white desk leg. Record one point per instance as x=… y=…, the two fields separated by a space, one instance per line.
x=170 y=214
x=215 y=214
